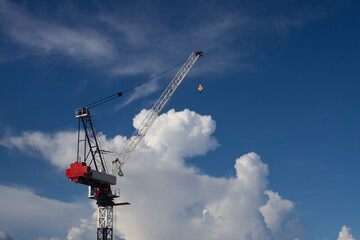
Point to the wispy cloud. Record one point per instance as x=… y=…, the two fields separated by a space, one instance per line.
x=134 y=35
x=140 y=92
x=124 y=41
x=46 y=37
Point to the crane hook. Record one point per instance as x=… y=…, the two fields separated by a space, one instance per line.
x=200 y=88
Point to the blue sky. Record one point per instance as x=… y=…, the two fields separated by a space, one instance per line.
x=280 y=80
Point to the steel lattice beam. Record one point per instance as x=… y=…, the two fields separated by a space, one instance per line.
x=152 y=114
x=105 y=223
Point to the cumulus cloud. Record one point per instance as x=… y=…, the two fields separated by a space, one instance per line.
x=175 y=198
x=31 y=212
x=169 y=198
x=82 y=231
x=234 y=214
x=296 y=230
x=5 y=236
x=345 y=234
x=170 y=130
x=275 y=210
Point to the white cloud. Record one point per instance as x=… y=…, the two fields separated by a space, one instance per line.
x=345 y=234
x=135 y=35
x=47 y=37
x=140 y=47
x=146 y=42
x=296 y=229
x=49 y=238
x=5 y=236
x=58 y=148
x=175 y=135
x=23 y=209
x=75 y=233
x=233 y=214
x=176 y=199
x=275 y=210
x=140 y=92
x=82 y=231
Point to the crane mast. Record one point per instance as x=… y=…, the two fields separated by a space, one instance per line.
x=90 y=153
x=152 y=115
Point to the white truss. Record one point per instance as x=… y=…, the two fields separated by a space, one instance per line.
x=105 y=223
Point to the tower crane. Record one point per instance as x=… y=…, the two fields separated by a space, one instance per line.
x=90 y=166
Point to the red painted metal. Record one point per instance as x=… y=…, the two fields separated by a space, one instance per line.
x=78 y=169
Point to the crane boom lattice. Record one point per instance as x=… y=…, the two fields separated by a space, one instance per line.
x=152 y=115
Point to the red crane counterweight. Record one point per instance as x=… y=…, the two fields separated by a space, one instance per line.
x=79 y=172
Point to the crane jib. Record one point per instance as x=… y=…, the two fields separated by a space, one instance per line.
x=152 y=114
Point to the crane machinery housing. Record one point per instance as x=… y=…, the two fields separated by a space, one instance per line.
x=90 y=166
